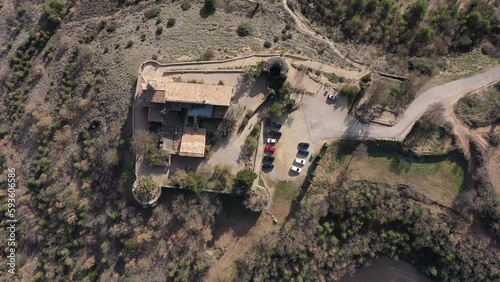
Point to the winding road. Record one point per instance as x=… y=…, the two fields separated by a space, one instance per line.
x=325 y=122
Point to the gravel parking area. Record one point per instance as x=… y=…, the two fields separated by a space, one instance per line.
x=325 y=118
x=294 y=131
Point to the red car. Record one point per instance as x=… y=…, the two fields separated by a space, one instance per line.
x=270 y=149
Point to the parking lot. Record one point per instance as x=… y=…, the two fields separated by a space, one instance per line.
x=294 y=131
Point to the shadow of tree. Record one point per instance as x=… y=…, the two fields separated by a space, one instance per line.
x=355 y=128
x=251 y=90
x=234 y=216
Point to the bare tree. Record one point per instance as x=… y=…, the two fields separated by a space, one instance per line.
x=143 y=141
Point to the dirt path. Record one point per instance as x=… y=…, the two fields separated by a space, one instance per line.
x=302 y=27
x=152 y=68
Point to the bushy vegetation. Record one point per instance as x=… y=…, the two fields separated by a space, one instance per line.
x=55 y=10
x=156 y=157
x=152 y=13
x=244 y=181
x=146 y=188
x=415 y=30
x=210 y=6
x=186 y=5
x=244 y=29
x=351 y=91
x=360 y=221
x=482 y=109
x=170 y=22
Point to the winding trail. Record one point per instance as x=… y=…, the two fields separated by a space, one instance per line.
x=303 y=28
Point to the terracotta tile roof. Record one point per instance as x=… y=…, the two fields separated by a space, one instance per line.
x=218 y=95
x=165 y=90
x=193 y=143
x=158 y=96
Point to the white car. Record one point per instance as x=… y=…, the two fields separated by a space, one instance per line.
x=271 y=141
x=300 y=161
x=296 y=169
x=332 y=97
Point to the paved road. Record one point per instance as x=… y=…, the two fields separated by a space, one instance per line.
x=326 y=122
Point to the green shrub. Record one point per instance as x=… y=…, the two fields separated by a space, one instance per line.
x=111 y=27
x=159 y=30
x=55 y=10
x=156 y=158
x=130 y=245
x=146 y=187
x=152 y=13
x=210 y=6
x=130 y=43
x=171 y=22
x=3 y=131
x=276 y=39
x=276 y=110
x=267 y=44
x=158 y=21
x=350 y=91
x=244 y=29
x=423 y=66
x=103 y=24
x=244 y=180
x=186 y=5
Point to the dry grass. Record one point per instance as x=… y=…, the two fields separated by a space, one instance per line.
x=469 y=63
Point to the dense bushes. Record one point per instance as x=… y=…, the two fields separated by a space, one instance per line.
x=146 y=188
x=411 y=31
x=361 y=221
x=156 y=157
x=55 y=10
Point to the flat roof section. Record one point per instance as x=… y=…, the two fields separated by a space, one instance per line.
x=193 y=143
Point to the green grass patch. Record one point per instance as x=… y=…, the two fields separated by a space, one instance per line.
x=286 y=190
x=440 y=178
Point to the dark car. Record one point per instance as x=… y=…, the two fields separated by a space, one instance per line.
x=303 y=145
x=275 y=134
x=304 y=152
x=269 y=159
x=267 y=166
x=276 y=124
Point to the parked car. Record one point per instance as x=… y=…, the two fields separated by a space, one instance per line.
x=269 y=148
x=271 y=141
x=269 y=159
x=300 y=161
x=296 y=169
x=303 y=145
x=303 y=152
x=267 y=166
x=332 y=97
x=275 y=134
x=276 y=124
